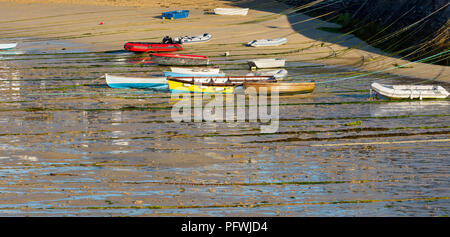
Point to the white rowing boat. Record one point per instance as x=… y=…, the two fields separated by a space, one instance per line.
x=231 y=11
x=196 y=70
x=7 y=46
x=267 y=63
x=267 y=42
x=410 y=91
x=277 y=73
x=136 y=82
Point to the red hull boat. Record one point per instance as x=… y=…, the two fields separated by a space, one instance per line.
x=151 y=47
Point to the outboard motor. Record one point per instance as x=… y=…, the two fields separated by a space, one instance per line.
x=167 y=40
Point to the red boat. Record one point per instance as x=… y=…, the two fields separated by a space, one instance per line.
x=179 y=59
x=151 y=47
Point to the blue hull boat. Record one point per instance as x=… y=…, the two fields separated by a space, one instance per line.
x=172 y=15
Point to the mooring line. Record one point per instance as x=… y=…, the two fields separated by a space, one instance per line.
x=384 y=70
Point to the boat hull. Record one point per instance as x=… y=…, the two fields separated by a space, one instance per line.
x=183 y=87
x=277 y=73
x=231 y=11
x=283 y=88
x=212 y=84
x=267 y=63
x=194 y=39
x=151 y=47
x=410 y=91
x=267 y=42
x=195 y=70
x=175 y=74
x=173 y=15
x=7 y=46
x=136 y=82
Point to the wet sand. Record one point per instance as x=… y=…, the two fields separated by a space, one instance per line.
x=71 y=146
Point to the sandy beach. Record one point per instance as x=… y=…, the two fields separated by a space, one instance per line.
x=139 y=21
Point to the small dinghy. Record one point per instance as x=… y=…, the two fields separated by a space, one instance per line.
x=282 y=87
x=136 y=82
x=410 y=91
x=173 y=15
x=267 y=42
x=231 y=11
x=7 y=46
x=267 y=63
x=175 y=74
x=211 y=84
x=196 y=70
x=180 y=59
x=193 y=39
x=151 y=47
x=277 y=73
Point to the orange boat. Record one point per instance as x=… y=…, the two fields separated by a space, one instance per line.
x=283 y=87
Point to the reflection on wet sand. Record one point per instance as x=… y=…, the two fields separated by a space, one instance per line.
x=410 y=108
x=75 y=146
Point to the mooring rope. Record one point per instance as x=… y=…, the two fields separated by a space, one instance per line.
x=387 y=69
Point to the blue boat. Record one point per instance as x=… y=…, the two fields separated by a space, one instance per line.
x=175 y=74
x=175 y=14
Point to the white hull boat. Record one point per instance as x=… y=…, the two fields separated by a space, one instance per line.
x=196 y=70
x=7 y=46
x=267 y=42
x=410 y=91
x=277 y=73
x=267 y=63
x=136 y=82
x=193 y=39
x=231 y=11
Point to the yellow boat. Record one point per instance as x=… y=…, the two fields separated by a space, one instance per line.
x=185 y=87
x=210 y=85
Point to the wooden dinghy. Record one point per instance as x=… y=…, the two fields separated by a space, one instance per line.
x=267 y=63
x=180 y=59
x=231 y=11
x=282 y=87
x=410 y=91
x=7 y=46
x=151 y=47
x=173 y=15
x=211 y=84
x=267 y=42
x=196 y=70
x=136 y=82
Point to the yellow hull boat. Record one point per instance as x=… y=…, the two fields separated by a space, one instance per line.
x=183 y=87
x=211 y=84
